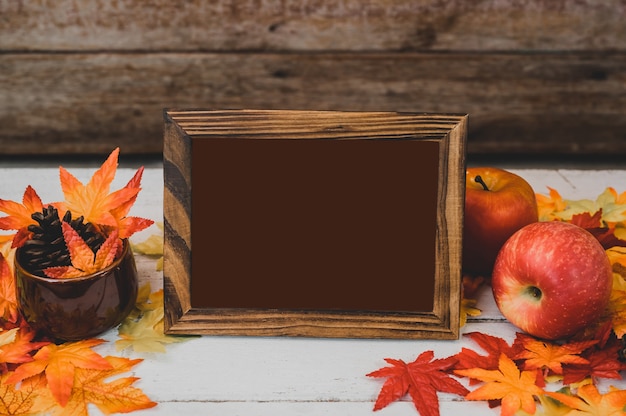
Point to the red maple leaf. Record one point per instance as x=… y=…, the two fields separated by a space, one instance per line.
x=602 y=363
x=421 y=379
x=494 y=347
x=593 y=223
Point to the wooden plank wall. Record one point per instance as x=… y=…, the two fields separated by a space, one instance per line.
x=539 y=77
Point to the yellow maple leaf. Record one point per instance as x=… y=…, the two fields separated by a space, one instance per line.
x=142 y=330
x=613 y=206
x=59 y=364
x=516 y=389
x=549 y=407
x=468 y=308
x=589 y=401
x=117 y=396
x=152 y=247
x=25 y=400
x=145 y=334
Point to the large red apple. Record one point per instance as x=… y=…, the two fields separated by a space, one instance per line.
x=552 y=279
x=497 y=203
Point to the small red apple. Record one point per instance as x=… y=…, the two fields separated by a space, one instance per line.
x=552 y=279
x=497 y=203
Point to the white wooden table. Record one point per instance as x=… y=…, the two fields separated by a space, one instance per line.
x=285 y=376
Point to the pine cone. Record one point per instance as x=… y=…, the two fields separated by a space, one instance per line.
x=46 y=247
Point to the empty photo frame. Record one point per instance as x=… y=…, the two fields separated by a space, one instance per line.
x=313 y=223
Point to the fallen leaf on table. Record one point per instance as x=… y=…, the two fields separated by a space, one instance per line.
x=25 y=400
x=494 y=346
x=549 y=356
x=117 y=396
x=549 y=205
x=611 y=205
x=468 y=308
x=146 y=334
x=59 y=364
x=548 y=407
x=153 y=301
x=589 y=401
x=603 y=232
x=516 y=390
x=421 y=379
x=601 y=363
x=16 y=346
x=617 y=309
x=152 y=246
x=8 y=299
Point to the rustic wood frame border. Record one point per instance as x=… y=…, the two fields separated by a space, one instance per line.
x=449 y=130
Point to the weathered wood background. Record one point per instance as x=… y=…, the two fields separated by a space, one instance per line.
x=535 y=76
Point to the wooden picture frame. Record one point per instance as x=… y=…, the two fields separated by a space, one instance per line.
x=313 y=223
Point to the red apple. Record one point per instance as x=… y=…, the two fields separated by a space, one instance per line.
x=497 y=203
x=552 y=279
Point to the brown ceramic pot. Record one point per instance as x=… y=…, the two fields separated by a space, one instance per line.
x=78 y=308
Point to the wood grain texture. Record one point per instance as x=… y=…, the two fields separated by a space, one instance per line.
x=518 y=103
x=176 y=222
x=183 y=125
x=313 y=25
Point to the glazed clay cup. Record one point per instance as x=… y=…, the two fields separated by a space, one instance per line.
x=72 y=309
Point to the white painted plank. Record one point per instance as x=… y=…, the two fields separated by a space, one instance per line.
x=311 y=408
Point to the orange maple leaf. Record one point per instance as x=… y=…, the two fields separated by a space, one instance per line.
x=118 y=396
x=59 y=363
x=516 y=389
x=84 y=260
x=548 y=356
x=589 y=401
x=617 y=310
x=25 y=400
x=8 y=298
x=19 y=217
x=126 y=225
x=547 y=206
x=20 y=348
x=617 y=255
x=94 y=201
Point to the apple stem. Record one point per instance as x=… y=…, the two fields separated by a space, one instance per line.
x=480 y=180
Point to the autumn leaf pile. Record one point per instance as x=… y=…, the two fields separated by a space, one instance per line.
x=532 y=376
x=38 y=376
